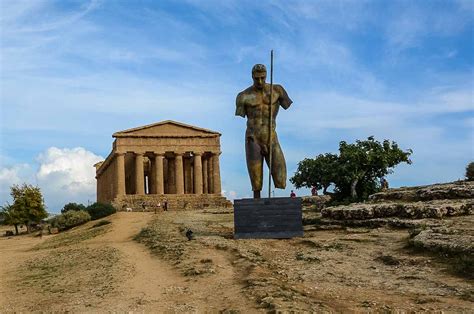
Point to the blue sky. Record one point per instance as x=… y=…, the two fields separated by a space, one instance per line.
x=74 y=72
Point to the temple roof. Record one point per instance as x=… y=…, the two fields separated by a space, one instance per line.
x=166 y=128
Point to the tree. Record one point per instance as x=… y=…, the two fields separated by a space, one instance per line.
x=72 y=206
x=368 y=161
x=28 y=205
x=318 y=172
x=470 y=171
x=12 y=217
x=355 y=172
x=100 y=210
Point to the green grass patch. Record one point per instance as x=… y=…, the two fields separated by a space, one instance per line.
x=71 y=237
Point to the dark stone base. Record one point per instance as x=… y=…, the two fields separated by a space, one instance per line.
x=268 y=218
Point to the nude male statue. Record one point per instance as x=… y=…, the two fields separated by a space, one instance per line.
x=254 y=102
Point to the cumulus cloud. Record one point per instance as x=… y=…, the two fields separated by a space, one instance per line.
x=9 y=176
x=63 y=174
x=67 y=175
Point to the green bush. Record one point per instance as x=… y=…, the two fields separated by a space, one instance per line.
x=470 y=171
x=100 y=210
x=70 y=219
x=72 y=206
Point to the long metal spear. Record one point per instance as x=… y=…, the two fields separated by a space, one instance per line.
x=271 y=128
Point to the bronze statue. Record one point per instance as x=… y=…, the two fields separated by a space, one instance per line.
x=254 y=102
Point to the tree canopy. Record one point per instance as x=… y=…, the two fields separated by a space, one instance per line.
x=470 y=171
x=355 y=172
x=72 y=206
x=28 y=206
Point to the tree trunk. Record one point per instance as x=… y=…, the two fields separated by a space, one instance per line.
x=325 y=190
x=28 y=228
x=353 y=188
x=16 y=229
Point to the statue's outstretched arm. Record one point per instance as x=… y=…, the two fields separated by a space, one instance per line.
x=239 y=106
x=284 y=99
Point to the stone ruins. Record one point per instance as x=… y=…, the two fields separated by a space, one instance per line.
x=165 y=161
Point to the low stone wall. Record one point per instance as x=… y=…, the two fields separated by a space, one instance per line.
x=416 y=210
x=454 y=190
x=317 y=202
x=150 y=202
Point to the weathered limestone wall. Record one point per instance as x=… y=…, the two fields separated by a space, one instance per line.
x=106 y=187
x=175 y=202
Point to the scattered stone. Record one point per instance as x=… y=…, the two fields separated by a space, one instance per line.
x=9 y=233
x=445 y=240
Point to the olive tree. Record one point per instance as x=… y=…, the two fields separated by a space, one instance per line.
x=355 y=172
x=28 y=206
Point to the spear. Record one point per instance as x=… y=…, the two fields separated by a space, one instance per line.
x=271 y=128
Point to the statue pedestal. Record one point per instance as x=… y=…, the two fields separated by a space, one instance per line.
x=268 y=218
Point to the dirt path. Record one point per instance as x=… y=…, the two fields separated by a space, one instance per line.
x=12 y=250
x=152 y=285
x=141 y=282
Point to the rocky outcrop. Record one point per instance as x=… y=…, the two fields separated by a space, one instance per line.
x=432 y=201
x=317 y=202
x=413 y=210
x=454 y=190
x=444 y=240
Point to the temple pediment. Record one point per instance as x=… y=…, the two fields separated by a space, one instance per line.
x=166 y=128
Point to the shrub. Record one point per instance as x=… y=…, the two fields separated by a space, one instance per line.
x=70 y=219
x=470 y=171
x=100 y=210
x=72 y=206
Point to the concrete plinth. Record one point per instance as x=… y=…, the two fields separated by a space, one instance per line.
x=268 y=218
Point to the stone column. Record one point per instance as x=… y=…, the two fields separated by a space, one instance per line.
x=197 y=173
x=166 y=175
x=216 y=174
x=188 y=176
x=179 y=173
x=158 y=173
x=139 y=174
x=210 y=177
x=205 y=188
x=120 y=171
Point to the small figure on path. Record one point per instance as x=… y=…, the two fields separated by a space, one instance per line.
x=292 y=194
x=189 y=234
x=165 y=206
x=157 y=206
x=314 y=191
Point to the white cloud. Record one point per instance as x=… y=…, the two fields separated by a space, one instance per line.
x=64 y=175
x=67 y=174
x=39 y=16
x=413 y=23
x=17 y=174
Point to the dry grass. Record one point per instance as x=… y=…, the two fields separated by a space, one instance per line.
x=72 y=237
x=79 y=276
